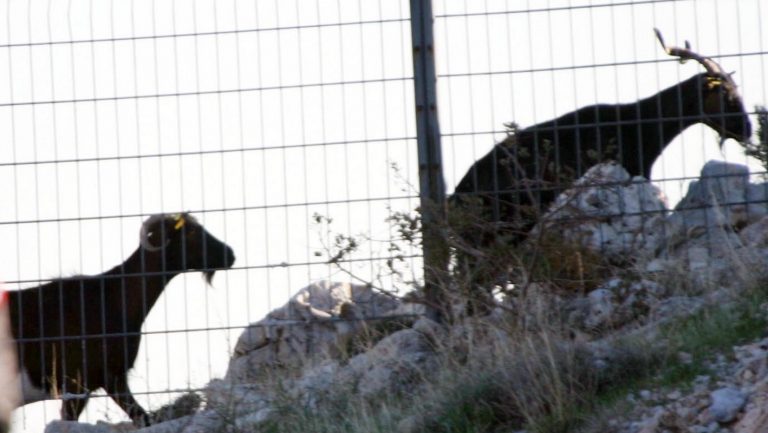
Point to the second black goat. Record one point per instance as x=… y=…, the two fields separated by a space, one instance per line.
x=521 y=176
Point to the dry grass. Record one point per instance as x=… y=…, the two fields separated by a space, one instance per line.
x=495 y=376
x=491 y=378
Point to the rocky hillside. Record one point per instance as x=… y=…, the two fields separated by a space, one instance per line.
x=669 y=339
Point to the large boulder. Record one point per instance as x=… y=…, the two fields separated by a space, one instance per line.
x=315 y=324
x=244 y=404
x=393 y=365
x=610 y=212
x=717 y=198
x=714 y=208
x=614 y=304
x=717 y=231
x=716 y=236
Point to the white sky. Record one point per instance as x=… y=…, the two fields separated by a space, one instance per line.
x=304 y=83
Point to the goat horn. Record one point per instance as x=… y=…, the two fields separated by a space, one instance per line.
x=144 y=234
x=714 y=70
x=712 y=67
x=661 y=39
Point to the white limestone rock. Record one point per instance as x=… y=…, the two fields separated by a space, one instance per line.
x=313 y=326
x=391 y=366
x=609 y=212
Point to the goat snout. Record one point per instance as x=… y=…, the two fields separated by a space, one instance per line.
x=229 y=257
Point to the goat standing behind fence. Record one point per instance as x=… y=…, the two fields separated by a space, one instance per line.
x=82 y=333
x=508 y=189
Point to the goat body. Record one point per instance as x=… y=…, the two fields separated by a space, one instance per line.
x=505 y=192
x=81 y=333
x=523 y=174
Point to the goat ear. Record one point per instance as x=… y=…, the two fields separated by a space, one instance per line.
x=180 y=221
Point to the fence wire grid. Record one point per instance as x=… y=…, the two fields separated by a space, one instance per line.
x=288 y=129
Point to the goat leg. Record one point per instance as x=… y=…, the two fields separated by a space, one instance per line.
x=71 y=408
x=121 y=394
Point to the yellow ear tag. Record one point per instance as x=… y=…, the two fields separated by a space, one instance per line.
x=713 y=82
x=179 y=222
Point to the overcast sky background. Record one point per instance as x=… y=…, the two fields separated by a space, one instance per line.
x=259 y=114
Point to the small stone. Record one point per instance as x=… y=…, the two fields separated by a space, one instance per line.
x=674 y=395
x=709 y=428
x=601 y=308
x=651 y=424
x=645 y=394
x=701 y=384
x=726 y=404
x=685 y=357
x=747 y=375
x=755 y=364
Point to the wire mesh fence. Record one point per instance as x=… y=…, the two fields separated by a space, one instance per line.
x=288 y=130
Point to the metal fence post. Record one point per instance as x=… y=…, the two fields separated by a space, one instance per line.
x=432 y=188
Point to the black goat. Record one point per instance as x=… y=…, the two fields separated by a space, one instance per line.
x=516 y=181
x=81 y=333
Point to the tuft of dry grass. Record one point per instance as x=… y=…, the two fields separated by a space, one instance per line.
x=495 y=376
x=492 y=377
x=537 y=381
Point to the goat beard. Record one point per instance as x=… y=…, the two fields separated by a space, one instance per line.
x=208 y=276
